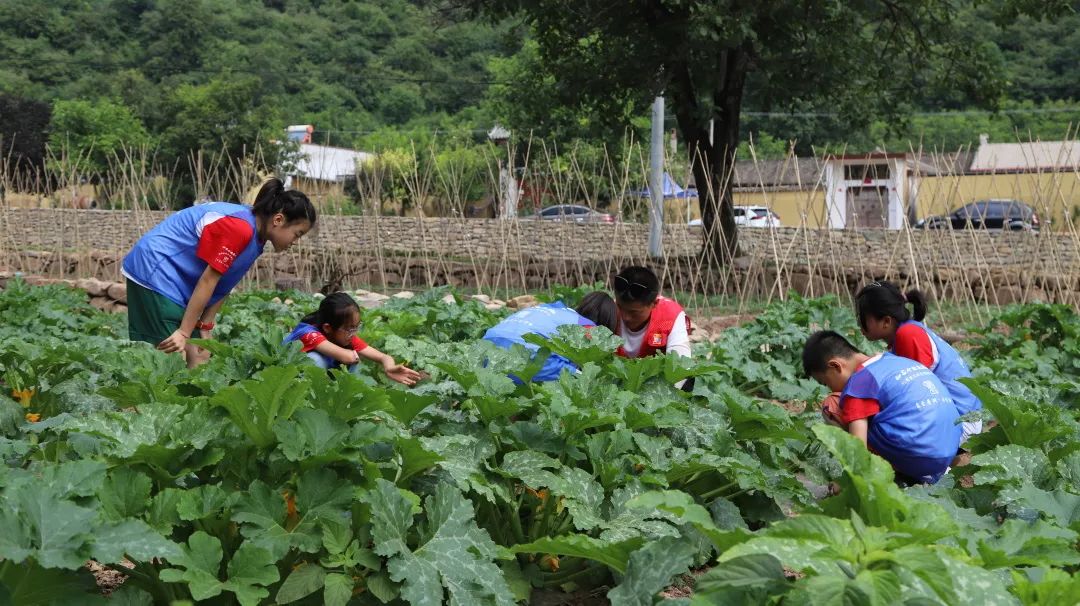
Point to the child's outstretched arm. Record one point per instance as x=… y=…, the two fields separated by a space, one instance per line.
x=340 y=354
x=195 y=308
x=397 y=372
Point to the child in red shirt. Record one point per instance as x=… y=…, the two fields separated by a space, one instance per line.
x=328 y=337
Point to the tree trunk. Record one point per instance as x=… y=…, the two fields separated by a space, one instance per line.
x=713 y=162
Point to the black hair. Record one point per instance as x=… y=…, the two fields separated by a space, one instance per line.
x=335 y=310
x=884 y=300
x=823 y=346
x=636 y=284
x=273 y=198
x=599 y=307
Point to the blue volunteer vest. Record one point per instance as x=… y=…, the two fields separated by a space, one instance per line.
x=164 y=259
x=916 y=429
x=543 y=320
x=950 y=367
x=300 y=330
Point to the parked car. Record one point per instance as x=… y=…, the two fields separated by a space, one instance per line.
x=572 y=212
x=756 y=216
x=750 y=216
x=986 y=214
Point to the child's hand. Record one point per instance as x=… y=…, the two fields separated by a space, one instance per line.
x=830 y=410
x=401 y=373
x=174 y=342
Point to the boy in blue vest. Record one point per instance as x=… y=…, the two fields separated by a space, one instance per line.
x=896 y=406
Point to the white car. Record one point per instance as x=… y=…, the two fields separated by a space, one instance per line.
x=751 y=216
x=756 y=216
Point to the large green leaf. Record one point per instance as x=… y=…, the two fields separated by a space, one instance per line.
x=265 y=521
x=301 y=582
x=451 y=551
x=36 y=523
x=131 y=538
x=257 y=404
x=867 y=488
x=581 y=494
x=348 y=396
x=950 y=579
x=405 y=404
x=1022 y=422
x=1052 y=588
x=1059 y=506
x=125 y=493
x=250 y=570
x=749 y=579
x=1022 y=543
x=686 y=511
x=1012 y=464
x=311 y=436
x=203 y=502
x=337 y=589
x=614 y=555
x=29 y=584
x=464 y=458
x=578 y=344
x=651 y=568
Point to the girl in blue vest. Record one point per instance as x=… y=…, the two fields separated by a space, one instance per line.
x=896 y=406
x=884 y=316
x=595 y=309
x=180 y=272
x=328 y=337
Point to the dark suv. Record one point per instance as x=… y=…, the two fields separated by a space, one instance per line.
x=989 y=214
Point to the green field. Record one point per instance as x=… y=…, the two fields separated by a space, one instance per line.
x=258 y=479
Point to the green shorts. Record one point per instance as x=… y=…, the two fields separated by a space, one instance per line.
x=152 y=317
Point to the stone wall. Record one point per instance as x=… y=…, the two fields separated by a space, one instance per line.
x=394 y=252
x=746 y=279
x=469 y=239
x=106 y=296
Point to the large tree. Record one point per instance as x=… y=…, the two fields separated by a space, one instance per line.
x=860 y=59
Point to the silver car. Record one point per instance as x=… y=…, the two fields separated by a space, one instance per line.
x=572 y=212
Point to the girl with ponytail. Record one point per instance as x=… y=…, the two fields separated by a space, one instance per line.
x=328 y=337
x=180 y=272
x=884 y=316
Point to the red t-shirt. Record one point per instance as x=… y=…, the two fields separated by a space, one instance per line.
x=853 y=409
x=312 y=340
x=223 y=239
x=913 y=343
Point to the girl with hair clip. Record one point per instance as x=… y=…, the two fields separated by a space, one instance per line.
x=179 y=273
x=884 y=316
x=328 y=337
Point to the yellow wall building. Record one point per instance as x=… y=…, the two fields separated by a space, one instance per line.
x=825 y=192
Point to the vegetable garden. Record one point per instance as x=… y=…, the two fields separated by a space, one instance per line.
x=259 y=479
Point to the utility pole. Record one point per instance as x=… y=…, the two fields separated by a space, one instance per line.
x=656 y=181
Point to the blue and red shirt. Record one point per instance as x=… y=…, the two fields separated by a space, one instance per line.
x=172 y=256
x=917 y=342
x=311 y=337
x=543 y=320
x=912 y=419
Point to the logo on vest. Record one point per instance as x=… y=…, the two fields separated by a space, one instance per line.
x=657 y=339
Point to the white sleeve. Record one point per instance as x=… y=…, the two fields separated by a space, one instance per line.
x=678 y=341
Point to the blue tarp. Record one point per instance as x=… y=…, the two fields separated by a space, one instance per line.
x=671 y=190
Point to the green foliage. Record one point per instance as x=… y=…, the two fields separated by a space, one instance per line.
x=258 y=478
x=96 y=134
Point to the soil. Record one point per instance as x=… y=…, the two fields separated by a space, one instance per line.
x=107 y=580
